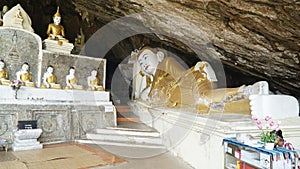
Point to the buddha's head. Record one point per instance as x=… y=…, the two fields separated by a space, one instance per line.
x=2 y=64
x=25 y=66
x=50 y=69
x=94 y=73
x=149 y=58
x=72 y=70
x=4 y=9
x=57 y=17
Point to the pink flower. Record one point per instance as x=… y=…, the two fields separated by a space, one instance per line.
x=272 y=123
x=267 y=118
x=254 y=118
x=258 y=122
x=259 y=127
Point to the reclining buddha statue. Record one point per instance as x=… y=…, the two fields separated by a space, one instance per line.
x=49 y=79
x=25 y=76
x=3 y=74
x=94 y=82
x=166 y=81
x=72 y=81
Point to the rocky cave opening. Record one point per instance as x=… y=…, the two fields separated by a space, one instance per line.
x=255 y=50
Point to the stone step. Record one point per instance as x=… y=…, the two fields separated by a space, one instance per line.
x=23 y=148
x=123 y=109
x=125 y=138
x=121 y=143
x=128 y=132
x=124 y=114
x=127 y=117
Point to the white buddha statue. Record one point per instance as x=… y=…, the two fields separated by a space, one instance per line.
x=25 y=76
x=94 y=82
x=55 y=30
x=3 y=74
x=49 y=79
x=4 y=10
x=72 y=81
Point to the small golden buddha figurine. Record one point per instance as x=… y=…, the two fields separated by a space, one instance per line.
x=49 y=79
x=19 y=14
x=3 y=74
x=55 y=30
x=94 y=82
x=72 y=81
x=25 y=76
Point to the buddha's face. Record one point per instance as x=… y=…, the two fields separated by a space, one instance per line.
x=25 y=67
x=56 y=20
x=50 y=70
x=2 y=65
x=148 y=61
x=4 y=9
x=72 y=71
x=94 y=73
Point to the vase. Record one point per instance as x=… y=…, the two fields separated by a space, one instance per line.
x=269 y=146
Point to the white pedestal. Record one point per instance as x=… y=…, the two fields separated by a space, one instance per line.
x=51 y=95
x=197 y=139
x=55 y=46
x=27 y=140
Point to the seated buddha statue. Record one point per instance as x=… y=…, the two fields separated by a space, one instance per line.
x=167 y=82
x=25 y=76
x=49 y=79
x=94 y=82
x=72 y=81
x=55 y=30
x=3 y=74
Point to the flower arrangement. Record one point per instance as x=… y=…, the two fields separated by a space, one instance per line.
x=268 y=128
x=16 y=84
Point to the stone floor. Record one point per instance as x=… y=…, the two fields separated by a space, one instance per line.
x=144 y=158
x=136 y=158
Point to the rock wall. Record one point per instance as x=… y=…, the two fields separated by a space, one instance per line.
x=259 y=38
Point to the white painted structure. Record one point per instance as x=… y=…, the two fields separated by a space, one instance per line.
x=197 y=139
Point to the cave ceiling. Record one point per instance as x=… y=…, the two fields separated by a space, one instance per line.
x=258 y=39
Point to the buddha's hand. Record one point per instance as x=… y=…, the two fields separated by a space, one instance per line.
x=52 y=36
x=59 y=37
x=71 y=86
x=92 y=87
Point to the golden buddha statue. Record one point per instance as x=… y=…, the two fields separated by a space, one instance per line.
x=94 y=82
x=72 y=81
x=49 y=79
x=25 y=76
x=3 y=74
x=167 y=82
x=55 y=30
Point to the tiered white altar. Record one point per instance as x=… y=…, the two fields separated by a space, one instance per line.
x=62 y=115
